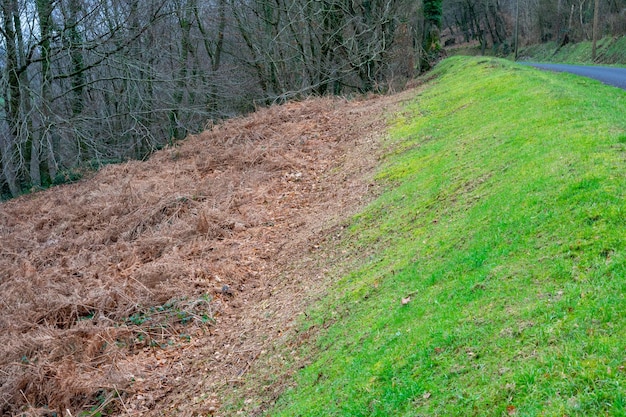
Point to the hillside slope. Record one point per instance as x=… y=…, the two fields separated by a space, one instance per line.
x=146 y=288
x=610 y=51
x=490 y=278
x=262 y=267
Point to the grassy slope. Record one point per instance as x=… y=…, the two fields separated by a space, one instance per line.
x=609 y=51
x=504 y=222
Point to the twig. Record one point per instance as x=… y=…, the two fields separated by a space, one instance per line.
x=26 y=399
x=121 y=401
x=246 y=368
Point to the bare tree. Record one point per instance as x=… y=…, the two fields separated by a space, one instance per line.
x=98 y=81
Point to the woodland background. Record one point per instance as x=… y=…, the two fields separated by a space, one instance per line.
x=87 y=83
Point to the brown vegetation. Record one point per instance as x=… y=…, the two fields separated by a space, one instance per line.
x=146 y=288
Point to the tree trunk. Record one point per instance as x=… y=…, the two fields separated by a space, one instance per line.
x=44 y=13
x=596 y=17
x=8 y=168
x=432 y=28
x=11 y=98
x=76 y=57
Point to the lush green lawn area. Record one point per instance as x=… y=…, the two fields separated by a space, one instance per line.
x=504 y=222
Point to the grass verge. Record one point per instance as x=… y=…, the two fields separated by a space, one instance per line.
x=610 y=51
x=491 y=278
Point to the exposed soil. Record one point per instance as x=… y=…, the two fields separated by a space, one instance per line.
x=152 y=287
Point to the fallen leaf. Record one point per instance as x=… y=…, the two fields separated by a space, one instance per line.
x=426 y=395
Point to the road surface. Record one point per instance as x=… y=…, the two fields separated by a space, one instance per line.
x=608 y=75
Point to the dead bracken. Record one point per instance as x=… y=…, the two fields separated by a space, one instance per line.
x=145 y=288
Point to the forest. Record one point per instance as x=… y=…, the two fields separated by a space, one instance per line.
x=86 y=83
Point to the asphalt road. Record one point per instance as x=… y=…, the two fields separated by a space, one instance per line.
x=608 y=75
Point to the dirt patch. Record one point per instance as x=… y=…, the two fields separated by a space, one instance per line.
x=149 y=287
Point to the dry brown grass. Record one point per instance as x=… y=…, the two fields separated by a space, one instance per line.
x=147 y=287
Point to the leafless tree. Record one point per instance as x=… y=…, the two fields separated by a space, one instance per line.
x=87 y=82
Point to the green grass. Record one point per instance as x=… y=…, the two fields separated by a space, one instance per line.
x=504 y=220
x=611 y=51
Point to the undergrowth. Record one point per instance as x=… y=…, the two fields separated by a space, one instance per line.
x=610 y=50
x=492 y=270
